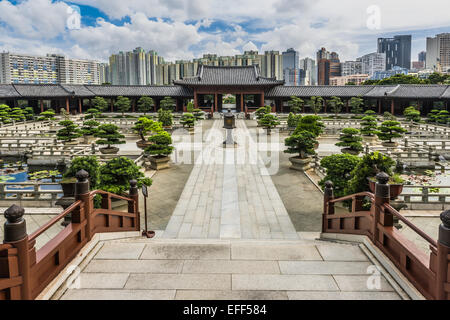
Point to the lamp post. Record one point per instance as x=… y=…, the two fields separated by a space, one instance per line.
x=229 y=124
x=146 y=233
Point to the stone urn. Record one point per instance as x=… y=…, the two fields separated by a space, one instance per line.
x=68 y=198
x=300 y=164
x=111 y=150
x=159 y=162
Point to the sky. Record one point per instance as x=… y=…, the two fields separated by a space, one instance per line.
x=186 y=29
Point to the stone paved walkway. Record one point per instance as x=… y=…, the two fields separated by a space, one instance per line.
x=226 y=270
x=229 y=199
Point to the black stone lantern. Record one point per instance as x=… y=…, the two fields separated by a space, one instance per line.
x=229 y=120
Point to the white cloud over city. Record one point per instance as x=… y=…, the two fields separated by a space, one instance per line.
x=183 y=29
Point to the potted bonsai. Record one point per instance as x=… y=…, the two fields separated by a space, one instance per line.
x=369 y=129
x=336 y=105
x=389 y=130
x=301 y=143
x=69 y=132
x=145 y=104
x=109 y=135
x=123 y=105
x=269 y=121
x=412 y=114
x=293 y=120
x=188 y=120
x=89 y=130
x=395 y=185
x=261 y=112
x=143 y=127
x=350 y=139
x=295 y=104
x=166 y=118
x=159 y=150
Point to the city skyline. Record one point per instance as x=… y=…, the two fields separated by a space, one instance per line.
x=107 y=27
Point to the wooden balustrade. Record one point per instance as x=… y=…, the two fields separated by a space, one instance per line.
x=429 y=274
x=25 y=271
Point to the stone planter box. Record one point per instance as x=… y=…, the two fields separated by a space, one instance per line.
x=88 y=139
x=141 y=144
x=112 y=150
x=159 y=163
x=389 y=144
x=395 y=189
x=300 y=164
x=370 y=139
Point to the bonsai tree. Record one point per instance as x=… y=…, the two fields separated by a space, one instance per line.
x=145 y=104
x=295 y=104
x=261 y=112
x=293 y=120
x=412 y=114
x=17 y=114
x=116 y=174
x=90 y=164
x=47 y=115
x=188 y=120
x=336 y=105
x=122 y=104
x=356 y=104
x=145 y=125
x=161 y=145
x=167 y=104
x=190 y=107
x=69 y=132
x=269 y=121
x=339 y=168
x=198 y=114
x=90 y=128
x=312 y=124
x=316 y=104
x=109 y=135
x=165 y=117
x=5 y=113
x=29 y=113
x=350 y=139
x=389 y=130
x=92 y=113
x=370 y=113
x=368 y=167
x=433 y=116
x=301 y=143
x=369 y=126
x=100 y=104
x=443 y=117
x=389 y=116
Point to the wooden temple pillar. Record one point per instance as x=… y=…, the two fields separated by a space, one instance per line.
x=156 y=105
x=67 y=105
x=324 y=105
x=242 y=102
x=80 y=106
x=179 y=105
x=379 y=106
x=393 y=107
x=133 y=105
x=195 y=99
x=262 y=100
x=216 y=101
x=347 y=106
x=42 y=105
x=112 y=105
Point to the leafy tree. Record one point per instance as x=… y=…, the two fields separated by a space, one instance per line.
x=339 y=168
x=389 y=130
x=229 y=100
x=167 y=104
x=161 y=144
x=412 y=114
x=122 y=104
x=100 y=104
x=369 y=126
x=316 y=104
x=293 y=120
x=368 y=167
x=165 y=117
x=389 y=116
x=198 y=114
x=443 y=117
x=145 y=125
x=437 y=78
x=145 y=104
x=188 y=120
x=261 y=112
x=301 y=143
x=336 y=105
x=433 y=116
x=269 y=121
x=89 y=164
x=190 y=107
x=296 y=104
x=370 y=113
x=92 y=113
x=29 y=113
x=109 y=135
x=312 y=124
x=69 y=132
x=17 y=114
x=116 y=174
x=5 y=113
x=356 y=104
x=350 y=139
x=90 y=128
x=47 y=115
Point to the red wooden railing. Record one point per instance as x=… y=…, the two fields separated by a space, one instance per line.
x=429 y=274
x=25 y=272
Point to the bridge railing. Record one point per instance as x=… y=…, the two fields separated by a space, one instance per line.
x=430 y=274
x=25 y=271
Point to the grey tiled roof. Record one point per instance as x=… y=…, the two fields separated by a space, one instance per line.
x=322 y=91
x=379 y=91
x=40 y=90
x=138 y=91
x=8 y=91
x=228 y=76
x=446 y=94
x=418 y=91
x=78 y=90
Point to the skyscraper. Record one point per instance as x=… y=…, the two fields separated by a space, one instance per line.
x=422 y=56
x=349 y=68
x=438 y=53
x=291 y=68
x=373 y=62
x=328 y=65
x=308 y=72
x=397 y=50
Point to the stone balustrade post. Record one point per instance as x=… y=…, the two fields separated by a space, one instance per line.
x=443 y=260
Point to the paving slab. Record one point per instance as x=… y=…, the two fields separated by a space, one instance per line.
x=267 y=251
x=284 y=282
x=321 y=295
x=120 y=251
x=230 y=295
x=179 y=281
x=134 y=266
x=362 y=283
x=100 y=281
x=95 y=294
x=186 y=251
x=324 y=267
x=332 y=252
x=231 y=267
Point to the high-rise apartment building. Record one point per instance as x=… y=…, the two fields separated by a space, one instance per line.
x=438 y=53
x=308 y=72
x=50 y=69
x=328 y=65
x=291 y=68
x=373 y=62
x=349 y=68
x=397 y=50
x=422 y=56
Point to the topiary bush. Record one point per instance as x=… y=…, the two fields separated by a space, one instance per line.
x=109 y=135
x=301 y=143
x=269 y=121
x=165 y=117
x=336 y=105
x=69 y=132
x=145 y=104
x=293 y=120
x=145 y=126
x=412 y=114
x=89 y=164
x=261 y=112
x=116 y=174
x=122 y=104
x=90 y=128
x=188 y=120
x=356 y=104
x=47 y=115
x=316 y=104
x=339 y=168
x=312 y=124
x=389 y=130
x=17 y=114
x=167 y=104
x=198 y=114
x=443 y=117
x=5 y=113
x=295 y=104
x=369 y=126
x=350 y=139
x=161 y=146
